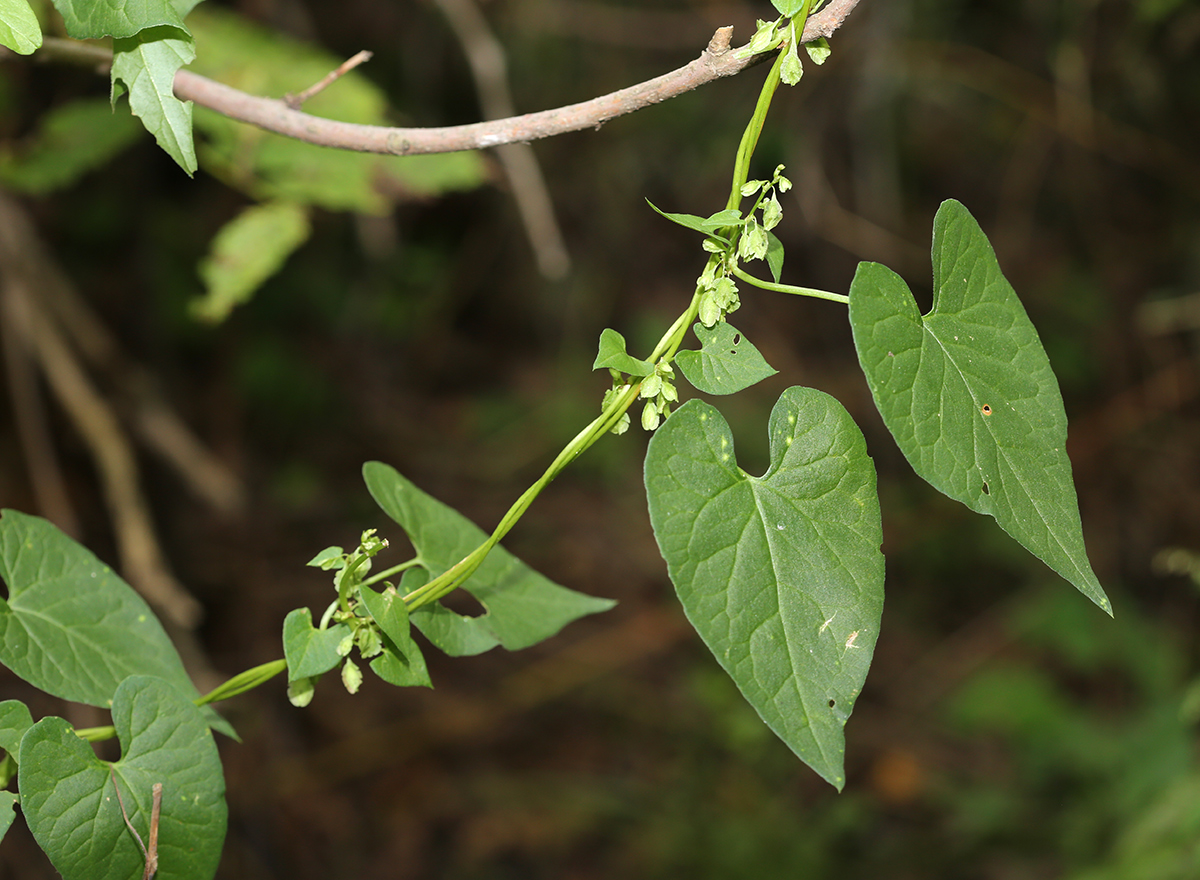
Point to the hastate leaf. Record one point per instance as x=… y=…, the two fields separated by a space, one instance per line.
x=19 y=28
x=726 y=363
x=145 y=65
x=781 y=575
x=523 y=606
x=612 y=355
x=69 y=803
x=707 y=225
x=970 y=397
x=70 y=626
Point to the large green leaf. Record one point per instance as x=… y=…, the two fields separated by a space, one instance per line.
x=969 y=395
x=70 y=626
x=781 y=575
x=19 y=27
x=68 y=799
x=523 y=607
x=8 y=803
x=726 y=363
x=145 y=65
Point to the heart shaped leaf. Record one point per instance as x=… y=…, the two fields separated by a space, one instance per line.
x=726 y=363
x=69 y=803
x=969 y=395
x=71 y=627
x=781 y=574
x=310 y=651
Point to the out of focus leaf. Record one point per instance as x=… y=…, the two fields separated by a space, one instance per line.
x=248 y=250
x=270 y=166
x=19 y=28
x=71 y=140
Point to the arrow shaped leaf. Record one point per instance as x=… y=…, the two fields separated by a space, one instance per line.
x=781 y=575
x=612 y=355
x=523 y=606
x=969 y=395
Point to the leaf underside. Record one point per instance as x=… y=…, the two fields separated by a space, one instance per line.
x=781 y=575
x=523 y=606
x=970 y=397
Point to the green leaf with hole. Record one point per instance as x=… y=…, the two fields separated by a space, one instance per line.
x=522 y=606
x=612 y=355
x=246 y=251
x=310 y=651
x=70 y=626
x=68 y=800
x=144 y=65
x=969 y=395
x=726 y=363
x=19 y=27
x=781 y=575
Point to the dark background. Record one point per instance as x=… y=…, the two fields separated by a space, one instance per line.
x=1008 y=728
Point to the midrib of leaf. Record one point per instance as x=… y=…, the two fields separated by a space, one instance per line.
x=1003 y=450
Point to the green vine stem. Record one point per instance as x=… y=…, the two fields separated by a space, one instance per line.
x=665 y=350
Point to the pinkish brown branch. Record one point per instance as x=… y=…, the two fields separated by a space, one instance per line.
x=717 y=61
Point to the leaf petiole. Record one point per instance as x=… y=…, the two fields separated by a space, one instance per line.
x=788 y=288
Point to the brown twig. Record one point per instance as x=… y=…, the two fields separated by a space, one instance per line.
x=149 y=852
x=294 y=101
x=274 y=115
x=485 y=55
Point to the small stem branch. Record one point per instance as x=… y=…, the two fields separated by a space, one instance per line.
x=294 y=101
x=788 y=288
x=242 y=682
